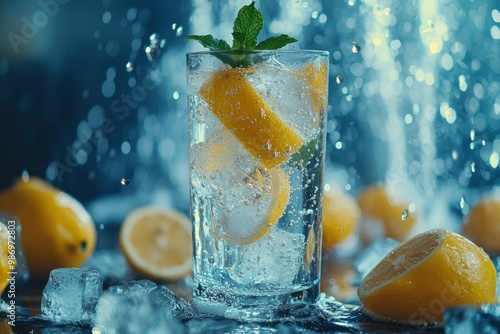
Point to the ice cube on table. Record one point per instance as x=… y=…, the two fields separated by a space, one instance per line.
x=275 y=259
x=373 y=254
x=71 y=295
x=483 y=319
x=139 y=307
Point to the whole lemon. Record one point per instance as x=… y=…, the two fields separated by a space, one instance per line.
x=340 y=218
x=57 y=231
x=482 y=225
x=386 y=212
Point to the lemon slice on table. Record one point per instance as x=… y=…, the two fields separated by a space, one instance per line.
x=157 y=243
x=419 y=278
x=254 y=217
x=234 y=101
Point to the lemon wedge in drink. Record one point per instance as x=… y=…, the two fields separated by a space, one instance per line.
x=234 y=101
x=254 y=217
x=317 y=78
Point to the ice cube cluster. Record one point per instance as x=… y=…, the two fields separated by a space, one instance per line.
x=76 y=296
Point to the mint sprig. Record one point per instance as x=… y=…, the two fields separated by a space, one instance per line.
x=247 y=26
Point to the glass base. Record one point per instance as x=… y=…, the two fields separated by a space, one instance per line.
x=257 y=308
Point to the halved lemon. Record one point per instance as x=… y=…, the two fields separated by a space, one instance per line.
x=254 y=217
x=234 y=101
x=420 y=277
x=156 y=242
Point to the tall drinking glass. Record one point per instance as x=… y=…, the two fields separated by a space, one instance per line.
x=256 y=131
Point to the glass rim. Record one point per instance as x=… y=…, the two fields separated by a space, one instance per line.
x=287 y=51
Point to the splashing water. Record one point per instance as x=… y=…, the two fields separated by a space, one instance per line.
x=155 y=46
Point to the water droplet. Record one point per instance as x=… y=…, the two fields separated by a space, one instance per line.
x=178 y=32
x=463 y=202
x=404 y=215
x=152 y=52
x=355 y=47
x=153 y=38
x=125 y=182
x=339 y=79
x=25 y=175
x=129 y=66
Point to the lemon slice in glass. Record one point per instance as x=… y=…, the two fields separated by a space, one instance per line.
x=254 y=216
x=234 y=101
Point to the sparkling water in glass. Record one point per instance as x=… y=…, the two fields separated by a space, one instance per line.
x=257 y=150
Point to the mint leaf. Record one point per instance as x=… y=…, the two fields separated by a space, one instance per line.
x=306 y=152
x=210 y=42
x=246 y=28
x=275 y=42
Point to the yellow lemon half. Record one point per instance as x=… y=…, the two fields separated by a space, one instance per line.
x=157 y=242
x=431 y=271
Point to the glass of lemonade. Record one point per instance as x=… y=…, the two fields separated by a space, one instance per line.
x=257 y=150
